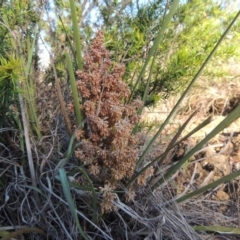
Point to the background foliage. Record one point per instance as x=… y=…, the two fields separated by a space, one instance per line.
x=184 y=46
x=130 y=27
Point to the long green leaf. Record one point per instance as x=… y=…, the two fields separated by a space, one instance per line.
x=76 y=185
x=212 y=185
x=144 y=98
x=155 y=46
x=172 y=145
x=30 y=85
x=74 y=90
x=70 y=150
x=86 y=189
x=67 y=193
x=219 y=229
x=28 y=146
x=161 y=157
x=35 y=189
x=94 y=196
x=235 y=114
x=76 y=34
x=68 y=38
x=174 y=139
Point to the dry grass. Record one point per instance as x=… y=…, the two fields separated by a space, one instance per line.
x=208 y=96
x=151 y=215
x=147 y=216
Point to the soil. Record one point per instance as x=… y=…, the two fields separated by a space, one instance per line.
x=220 y=157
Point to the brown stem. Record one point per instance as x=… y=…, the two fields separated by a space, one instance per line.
x=61 y=100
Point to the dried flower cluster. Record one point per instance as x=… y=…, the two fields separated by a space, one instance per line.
x=108 y=197
x=107 y=141
x=107 y=144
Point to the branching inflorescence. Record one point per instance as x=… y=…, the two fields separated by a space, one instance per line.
x=107 y=144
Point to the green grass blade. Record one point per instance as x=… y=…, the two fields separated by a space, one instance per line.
x=174 y=110
x=144 y=98
x=235 y=114
x=94 y=196
x=69 y=153
x=174 y=139
x=18 y=122
x=28 y=145
x=87 y=189
x=74 y=90
x=68 y=38
x=155 y=45
x=219 y=229
x=30 y=53
x=70 y=147
x=179 y=132
x=161 y=157
x=67 y=193
x=196 y=129
x=173 y=142
x=172 y=145
x=212 y=185
x=76 y=34
x=35 y=189
x=76 y=185
x=30 y=85
x=70 y=150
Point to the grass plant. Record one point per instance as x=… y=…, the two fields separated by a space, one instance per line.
x=99 y=175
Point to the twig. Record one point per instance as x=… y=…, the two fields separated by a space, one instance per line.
x=60 y=98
